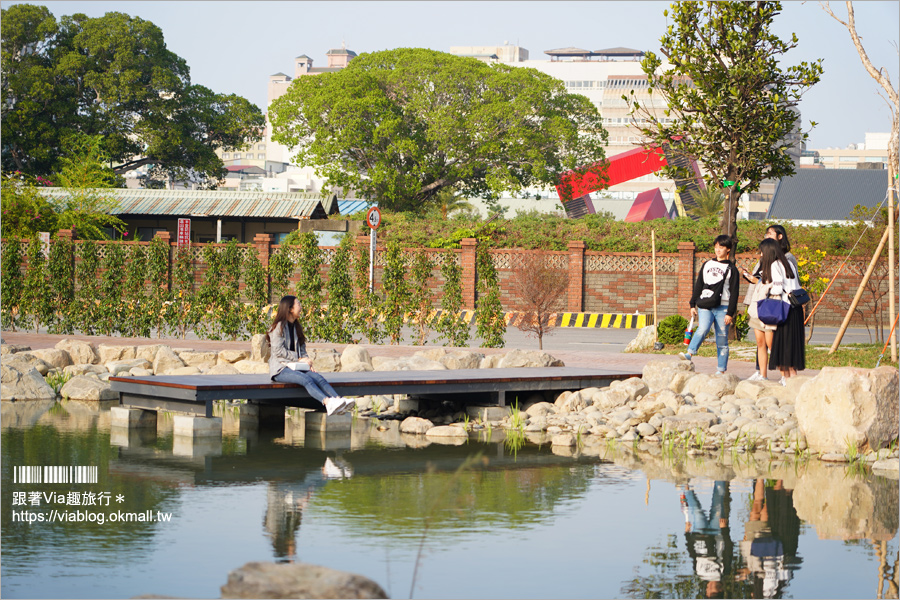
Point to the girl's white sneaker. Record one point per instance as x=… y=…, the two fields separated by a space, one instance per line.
x=756 y=377
x=333 y=406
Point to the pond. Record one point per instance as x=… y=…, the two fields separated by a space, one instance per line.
x=489 y=518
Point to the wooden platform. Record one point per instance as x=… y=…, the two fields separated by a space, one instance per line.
x=195 y=393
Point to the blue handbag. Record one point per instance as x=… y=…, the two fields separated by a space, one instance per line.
x=772 y=311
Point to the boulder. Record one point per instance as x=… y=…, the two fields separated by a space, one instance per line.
x=84 y=369
x=118 y=366
x=184 y=371
x=528 y=358
x=491 y=361
x=658 y=374
x=140 y=372
x=88 y=389
x=644 y=341
x=540 y=409
x=325 y=360
x=21 y=382
x=148 y=352
x=251 y=367
x=223 y=368
x=297 y=580
x=679 y=381
x=107 y=353
x=462 y=359
x=435 y=354
x=166 y=360
x=57 y=359
x=81 y=352
x=446 y=431
x=23 y=361
x=656 y=401
x=632 y=387
x=415 y=425
x=232 y=356
x=610 y=398
x=717 y=385
x=689 y=422
x=750 y=389
x=260 y=350
x=13 y=348
x=199 y=359
x=356 y=359
x=848 y=405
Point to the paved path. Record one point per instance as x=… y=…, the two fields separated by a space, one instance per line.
x=572 y=355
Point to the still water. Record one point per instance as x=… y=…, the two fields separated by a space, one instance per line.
x=484 y=519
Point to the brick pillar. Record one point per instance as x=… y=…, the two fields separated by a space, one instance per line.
x=263 y=244
x=467 y=262
x=685 y=276
x=66 y=234
x=167 y=238
x=576 y=276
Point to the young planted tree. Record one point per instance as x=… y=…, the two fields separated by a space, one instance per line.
x=421 y=306
x=365 y=319
x=452 y=329
x=338 y=318
x=160 y=291
x=11 y=289
x=137 y=321
x=231 y=315
x=398 y=126
x=309 y=286
x=539 y=291
x=256 y=290
x=61 y=268
x=396 y=291
x=490 y=322
x=281 y=267
x=209 y=298
x=184 y=309
x=87 y=293
x=112 y=307
x=35 y=303
x=730 y=105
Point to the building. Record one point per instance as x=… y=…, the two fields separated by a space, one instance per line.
x=823 y=196
x=871 y=154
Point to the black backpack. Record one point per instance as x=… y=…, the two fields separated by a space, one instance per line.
x=711 y=295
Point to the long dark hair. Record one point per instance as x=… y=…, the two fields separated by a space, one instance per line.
x=783 y=239
x=772 y=253
x=285 y=305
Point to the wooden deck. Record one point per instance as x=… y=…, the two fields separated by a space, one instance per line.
x=195 y=394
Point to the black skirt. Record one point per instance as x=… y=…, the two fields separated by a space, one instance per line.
x=789 y=342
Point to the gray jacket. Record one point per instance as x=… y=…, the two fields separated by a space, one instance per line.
x=280 y=353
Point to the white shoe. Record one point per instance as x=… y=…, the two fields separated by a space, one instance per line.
x=783 y=381
x=348 y=405
x=684 y=356
x=756 y=377
x=332 y=406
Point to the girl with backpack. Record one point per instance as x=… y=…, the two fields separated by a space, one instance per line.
x=714 y=301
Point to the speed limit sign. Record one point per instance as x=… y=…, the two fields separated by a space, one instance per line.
x=373 y=217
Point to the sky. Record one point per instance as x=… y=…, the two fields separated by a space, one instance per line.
x=233 y=47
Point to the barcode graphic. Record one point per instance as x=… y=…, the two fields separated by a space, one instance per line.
x=49 y=474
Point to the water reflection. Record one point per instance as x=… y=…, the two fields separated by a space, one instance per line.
x=613 y=515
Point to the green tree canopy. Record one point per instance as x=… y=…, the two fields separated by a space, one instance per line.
x=399 y=126
x=732 y=107
x=110 y=76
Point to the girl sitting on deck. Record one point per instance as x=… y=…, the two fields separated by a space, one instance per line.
x=288 y=344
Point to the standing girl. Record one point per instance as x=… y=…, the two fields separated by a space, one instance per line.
x=288 y=344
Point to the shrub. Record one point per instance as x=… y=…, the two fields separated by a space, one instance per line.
x=671 y=329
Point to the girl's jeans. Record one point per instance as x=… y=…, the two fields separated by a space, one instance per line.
x=315 y=384
x=708 y=318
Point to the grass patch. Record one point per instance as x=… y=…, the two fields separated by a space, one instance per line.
x=817 y=356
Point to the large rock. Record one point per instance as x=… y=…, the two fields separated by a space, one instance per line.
x=232 y=356
x=57 y=359
x=847 y=405
x=540 y=409
x=148 y=352
x=199 y=359
x=82 y=353
x=608 y=398
x=689 y=422
x=325 y=361
x=251 y=367
x=462 y=359
x=717 y=385
x=528 y=358
x=123 y=366
x=411 y=363
x=644 y=341
x=84 y=369
x=166 y=360
x=22 y=382
x=356 y=359
x=13 y=348
x=260 y=349
x=415 y=425
x=657 y=374
x=491 y=361
x=23 y=361
x=108 y=353
x=297 y=580
x=223 y=368
x=632 y=387
x=88 y=389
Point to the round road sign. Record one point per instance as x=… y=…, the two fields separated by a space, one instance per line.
x=373 y=217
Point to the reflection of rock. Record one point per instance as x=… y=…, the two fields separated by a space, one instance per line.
x=23 y=415
x=848 y=405
x=297 y=580
x=447 y=431
x=844 y=507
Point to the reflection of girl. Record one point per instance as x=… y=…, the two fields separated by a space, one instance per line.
x=708 y=538
x=288 y=345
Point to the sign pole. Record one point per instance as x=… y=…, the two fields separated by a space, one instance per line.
x=373 y=220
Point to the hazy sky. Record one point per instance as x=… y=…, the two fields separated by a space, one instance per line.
x=233 y=47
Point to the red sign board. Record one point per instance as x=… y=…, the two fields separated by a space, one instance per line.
x=184 y=233
x=373 y=217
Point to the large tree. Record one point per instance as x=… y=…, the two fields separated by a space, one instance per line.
x=399 y=126
x=731 y=105
x=110 y=76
